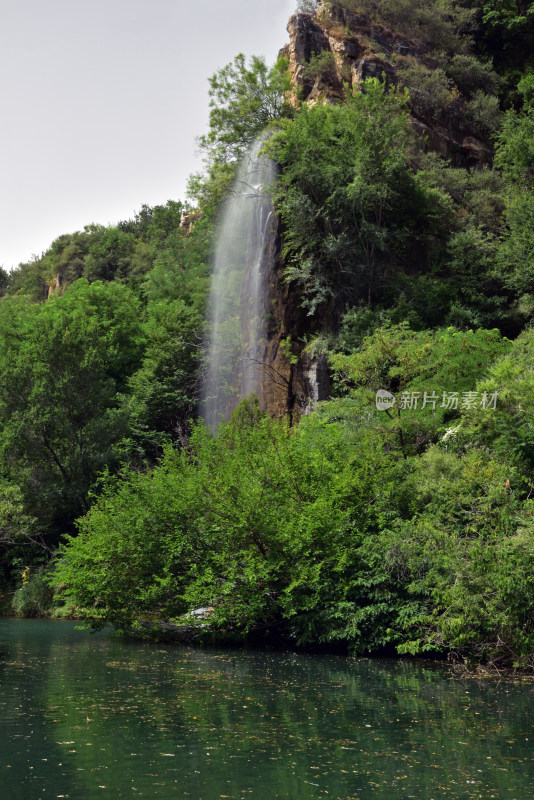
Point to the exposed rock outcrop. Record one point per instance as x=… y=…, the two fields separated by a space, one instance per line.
x=188 y=220
x=307 y=39
x=363 y=49
x=57 y=287
x=292 y=381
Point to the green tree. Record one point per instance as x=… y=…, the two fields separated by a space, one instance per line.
x=66 y=256
x=465 y=553
x=16 y=527
x=164 y=391
x=401 y=361
x=515 y=156
x=182 y=266
x=62 y=366
x=244 y=100
x=109 y=253
x=31 y=280
x=4 y=281
x=507 y=30
x=509 y=431
x=154 y=223
x=351 y=206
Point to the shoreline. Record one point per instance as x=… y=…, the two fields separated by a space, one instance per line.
x=194 y=636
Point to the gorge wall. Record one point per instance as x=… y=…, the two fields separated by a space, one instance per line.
x=291 y=382
x=364 y=49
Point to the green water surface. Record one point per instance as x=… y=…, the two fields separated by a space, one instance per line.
x=87 y=717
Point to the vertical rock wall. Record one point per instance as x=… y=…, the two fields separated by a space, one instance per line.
x=292 y=382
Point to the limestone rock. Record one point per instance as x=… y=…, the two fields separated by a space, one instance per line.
x=58 y=287
x=188 y=220
x=366 y=49
x=292 y=382
x=372 y=67
x=307 y=39
x=476 y=152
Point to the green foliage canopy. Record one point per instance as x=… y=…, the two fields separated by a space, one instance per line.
x=244 y=100
x=62 y=366
x=350 y=204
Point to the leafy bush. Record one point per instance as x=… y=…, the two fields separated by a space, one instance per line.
x=322 y=66
x=431 y=91
x=438 y=24
x=484 y=112
x=357 y=324
x=349 y=201
x=34 y=597
x=470 y=74
x=464 y=556
x=510 y=430
x=219 y=525
x=402 y=361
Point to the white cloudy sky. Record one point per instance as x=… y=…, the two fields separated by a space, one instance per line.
x=102 y=101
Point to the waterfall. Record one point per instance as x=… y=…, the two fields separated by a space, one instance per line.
x=238 y=296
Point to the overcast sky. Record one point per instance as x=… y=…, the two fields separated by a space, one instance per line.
x=102 y=101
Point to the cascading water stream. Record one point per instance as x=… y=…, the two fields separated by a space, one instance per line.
x=238 y=294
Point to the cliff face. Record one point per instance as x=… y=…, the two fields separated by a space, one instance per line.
x=363 y=49
x=292 y=381
x=359 y=49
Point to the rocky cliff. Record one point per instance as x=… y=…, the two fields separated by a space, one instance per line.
x=361 y=49
x=293 y=382
x=356 y=49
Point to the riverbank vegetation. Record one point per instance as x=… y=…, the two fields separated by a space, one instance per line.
x=405 y=530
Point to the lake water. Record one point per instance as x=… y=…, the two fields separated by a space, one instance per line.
x=87 y=717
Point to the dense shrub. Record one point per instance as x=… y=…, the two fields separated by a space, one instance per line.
x=431 y=91
x=438 y=24
x=350 y=204
x=34 y=597
x=321 y=66
x=484 y=112
x=471 y=74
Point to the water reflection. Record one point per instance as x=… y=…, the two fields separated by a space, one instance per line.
x=85 y=717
